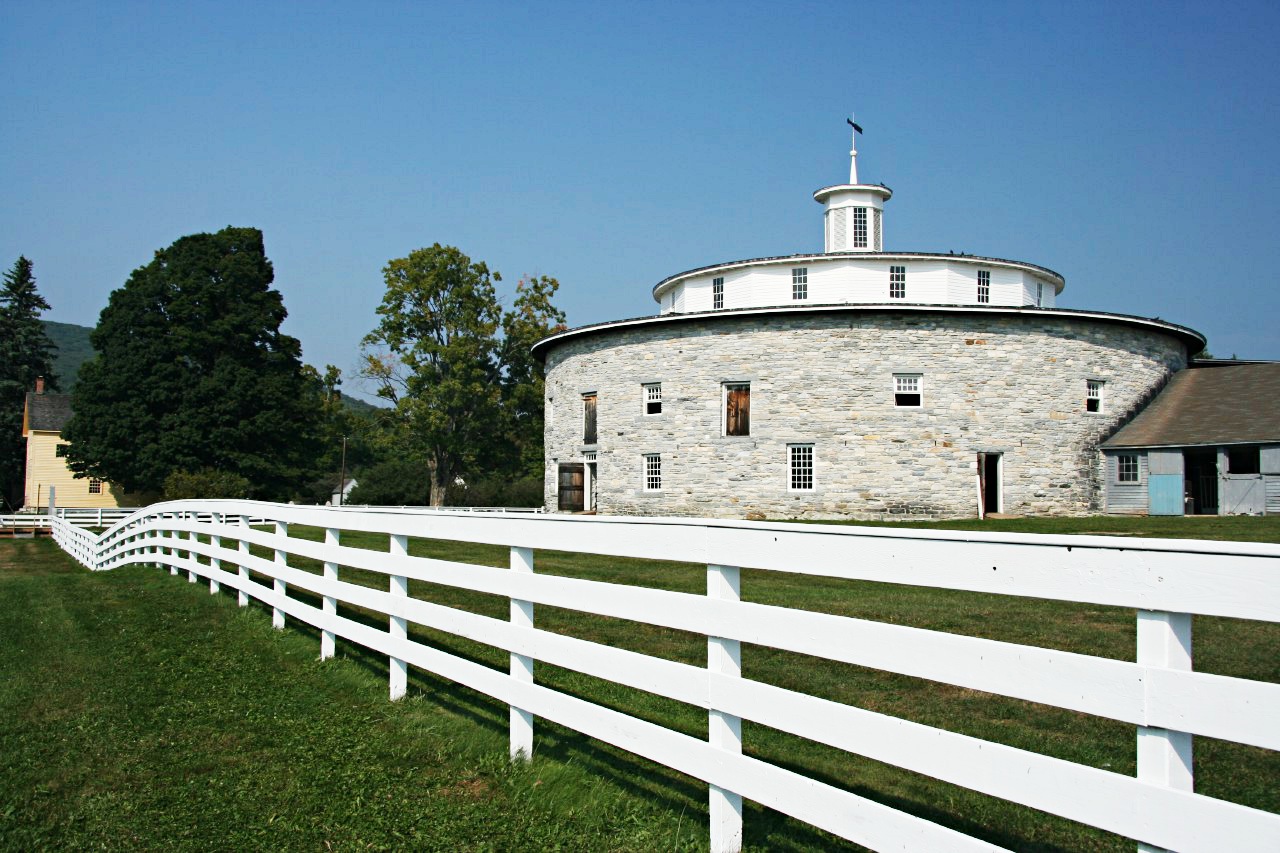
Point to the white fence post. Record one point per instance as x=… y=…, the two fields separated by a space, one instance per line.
x=282 y=559
x=1164 y=756
x=521 y=665
x=724 y=731
x=243 y=598
x=214 y=562
x=331 y=539
x=191 y=555
x=171 y=552
x=399 y=627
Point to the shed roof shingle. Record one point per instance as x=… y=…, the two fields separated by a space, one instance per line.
x=1209 y=404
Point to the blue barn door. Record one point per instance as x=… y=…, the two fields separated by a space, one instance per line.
x=1165 y=482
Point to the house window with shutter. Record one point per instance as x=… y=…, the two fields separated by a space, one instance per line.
x=737 y=408
x=588 y=418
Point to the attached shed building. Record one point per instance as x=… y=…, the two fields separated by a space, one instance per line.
x=1208 y=444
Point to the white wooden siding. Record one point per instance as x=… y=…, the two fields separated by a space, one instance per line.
x=1127 y=498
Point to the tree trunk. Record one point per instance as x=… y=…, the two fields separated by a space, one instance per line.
x=438 y=486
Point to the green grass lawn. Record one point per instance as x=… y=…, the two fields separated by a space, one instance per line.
x=174 y=717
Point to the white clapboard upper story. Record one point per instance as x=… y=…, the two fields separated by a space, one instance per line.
x=855 y=269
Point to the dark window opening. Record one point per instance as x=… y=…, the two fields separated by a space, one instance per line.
x=1244 y=460
x=572 y=488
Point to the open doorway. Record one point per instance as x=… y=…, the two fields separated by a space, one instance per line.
x=1201 y=467
x=989 y=497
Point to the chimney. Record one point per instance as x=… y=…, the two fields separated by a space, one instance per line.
x=39 y=384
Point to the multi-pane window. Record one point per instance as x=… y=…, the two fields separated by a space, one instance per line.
x=652 y=472
x=717 y=293
x=860 y=228
x=897 y=282
x=737 y=408
x=984 y=285
x=61 y=450
x=1127 y=468
x=588 y=418
x=1039 y=293
x=653 y=399
x=908 y=392
x=800 y=283
x=800 y=467
x=1093 y=395
x=95 y=487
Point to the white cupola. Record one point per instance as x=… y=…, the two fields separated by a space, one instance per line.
x=853 y=220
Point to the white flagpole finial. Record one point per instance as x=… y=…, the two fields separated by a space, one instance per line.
x=853 y=150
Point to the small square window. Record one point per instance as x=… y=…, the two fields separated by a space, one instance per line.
x=897 y=282
x=95 y=487
x=800 y=467
x=1093 y=395
x=984 y=286
x=61 y=451
x=653 y=398
x=737 y=408
x=652 y=472
x=908 y=391
x=717 y=293
x=1127 y=468
x=800 y=283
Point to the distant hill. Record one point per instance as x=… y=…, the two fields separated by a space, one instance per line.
x=74 y=350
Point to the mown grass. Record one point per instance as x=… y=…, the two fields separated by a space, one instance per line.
x=627 y=802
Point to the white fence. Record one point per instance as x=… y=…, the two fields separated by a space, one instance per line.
x=1166 y=581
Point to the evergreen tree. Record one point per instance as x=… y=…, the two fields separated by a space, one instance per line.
x=193 y=373
x=25 y=353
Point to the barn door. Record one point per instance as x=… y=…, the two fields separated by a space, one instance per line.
x=572 y=487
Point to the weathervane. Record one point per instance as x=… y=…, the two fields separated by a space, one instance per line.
x=853 y=149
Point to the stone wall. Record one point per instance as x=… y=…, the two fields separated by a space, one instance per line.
x=1012 y=384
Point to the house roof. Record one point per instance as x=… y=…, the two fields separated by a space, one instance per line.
x=1209 y=404
x=47 y=412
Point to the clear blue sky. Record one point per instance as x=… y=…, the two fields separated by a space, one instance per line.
x=1131 y=147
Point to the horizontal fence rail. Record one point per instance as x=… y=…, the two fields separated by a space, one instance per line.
x=1159 y=693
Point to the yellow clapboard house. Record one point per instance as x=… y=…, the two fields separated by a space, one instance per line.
x=43 y=417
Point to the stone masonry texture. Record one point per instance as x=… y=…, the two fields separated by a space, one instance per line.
x=1010 y=384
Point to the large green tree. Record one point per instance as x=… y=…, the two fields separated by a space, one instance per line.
x=25 y=353
x=193 y=373
x=434 y=354
x=532 y=317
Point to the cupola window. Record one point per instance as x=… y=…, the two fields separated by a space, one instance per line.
x=859 y=228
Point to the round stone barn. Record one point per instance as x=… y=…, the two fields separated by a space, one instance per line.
x=854 y=383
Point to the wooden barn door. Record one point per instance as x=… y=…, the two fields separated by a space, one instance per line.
x=572 y=487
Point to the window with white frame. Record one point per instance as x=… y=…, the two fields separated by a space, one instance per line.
x=717 y=293
x=95 y=487
x=800 y=283
x=1126 y=468
x=652 y=398
x=860 y=228
x=984 y=285
x=800 y=467
x=1039 y=294
x=653 y=472
x=908 y=390
x=1093 y=395
x=897 y=282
